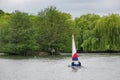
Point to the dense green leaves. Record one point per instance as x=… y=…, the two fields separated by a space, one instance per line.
x=85 y=25
x=19 y=33
x=1 y=13
x=99 y=34
x=108 y=32
x=51 y=29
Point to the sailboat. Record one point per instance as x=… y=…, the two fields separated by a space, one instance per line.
x=75 y=60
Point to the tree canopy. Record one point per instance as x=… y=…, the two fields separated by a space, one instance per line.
x=21 y=32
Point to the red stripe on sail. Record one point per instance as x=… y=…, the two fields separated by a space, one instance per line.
x=75 y=55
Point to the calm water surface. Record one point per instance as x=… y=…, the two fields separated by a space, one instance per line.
x=96 y=67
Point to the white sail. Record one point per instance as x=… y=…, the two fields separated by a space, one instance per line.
x=74 y=52
x=73 y=45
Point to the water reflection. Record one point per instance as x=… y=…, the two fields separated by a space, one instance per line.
x=75 y=69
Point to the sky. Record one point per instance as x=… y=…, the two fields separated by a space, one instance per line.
x=75 y=7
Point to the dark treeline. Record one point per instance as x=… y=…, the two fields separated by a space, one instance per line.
x=21 y=33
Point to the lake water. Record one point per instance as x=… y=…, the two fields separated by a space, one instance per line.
x=96 y=67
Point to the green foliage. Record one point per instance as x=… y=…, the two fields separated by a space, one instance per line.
x=18 y=35
x=51 y=29
x=108 y=32
x=85 y=25
x=3 y=30
x=1 y=13
x=54 y=29
x=99 y=34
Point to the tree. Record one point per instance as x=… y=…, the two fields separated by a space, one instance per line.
x=19 y=34
x=54 y=29
x=85 y=25
x=3 y=30
x=1 y=12
x=107 y=32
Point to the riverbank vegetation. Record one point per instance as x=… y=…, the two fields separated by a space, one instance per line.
x=50 y=32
